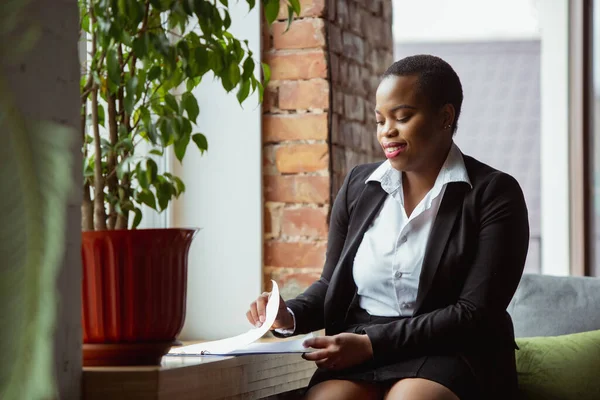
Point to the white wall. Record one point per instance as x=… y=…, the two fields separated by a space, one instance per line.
x=554 y=19
x=224 y=199
x=465 y=20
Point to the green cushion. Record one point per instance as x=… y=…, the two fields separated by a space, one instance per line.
x=560 y=367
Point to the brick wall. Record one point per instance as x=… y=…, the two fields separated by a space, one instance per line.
x=361 y=49
x=317 y=124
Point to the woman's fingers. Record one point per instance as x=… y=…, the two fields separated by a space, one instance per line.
x=319 y=342
x=254 y=314
x=261 y=306
x=317 y=355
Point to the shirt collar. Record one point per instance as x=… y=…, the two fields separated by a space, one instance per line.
x=453 y=170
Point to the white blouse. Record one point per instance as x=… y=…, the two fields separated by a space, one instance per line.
x=388 y=262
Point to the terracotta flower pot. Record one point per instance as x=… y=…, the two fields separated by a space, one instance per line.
x=134 y=294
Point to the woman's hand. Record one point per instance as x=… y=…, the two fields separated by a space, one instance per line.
x=340 y=351
x=257 y=313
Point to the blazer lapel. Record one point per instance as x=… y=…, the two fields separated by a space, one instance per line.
x=342 y=287
x=439 y=236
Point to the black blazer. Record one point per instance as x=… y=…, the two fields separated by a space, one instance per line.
x=473 y=263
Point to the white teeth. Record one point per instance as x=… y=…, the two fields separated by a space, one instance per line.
x=392 y=149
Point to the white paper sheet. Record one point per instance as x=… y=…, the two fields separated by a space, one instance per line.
x=280 y=347
x=244 y=343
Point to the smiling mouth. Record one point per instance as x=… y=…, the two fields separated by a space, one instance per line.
x=394 y=148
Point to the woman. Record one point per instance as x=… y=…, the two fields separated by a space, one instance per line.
x=425 y=252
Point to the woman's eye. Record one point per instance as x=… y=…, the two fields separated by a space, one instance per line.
x=402 y=119
x=380 y=122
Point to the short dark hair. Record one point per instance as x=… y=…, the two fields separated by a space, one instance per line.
x=437 y=81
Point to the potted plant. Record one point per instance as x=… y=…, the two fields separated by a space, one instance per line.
x=144 y=59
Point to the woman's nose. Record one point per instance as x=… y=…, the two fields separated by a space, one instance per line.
x=390 y=131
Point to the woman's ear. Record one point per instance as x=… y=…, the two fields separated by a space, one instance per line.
x=448 y=114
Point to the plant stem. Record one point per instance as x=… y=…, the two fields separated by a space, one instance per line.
x=111 y=180
x=87 y=208
x=99 y=210
x=123 y=219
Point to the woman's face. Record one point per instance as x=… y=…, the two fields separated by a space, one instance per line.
x=413 y=135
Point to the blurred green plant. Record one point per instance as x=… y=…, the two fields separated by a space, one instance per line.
x=35 y=171
x=145 y=59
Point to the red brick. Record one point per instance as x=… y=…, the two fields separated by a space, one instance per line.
x=334 y=67
x=270 y=98
x=291 y=281
x=268 y=155
x=356 y=80
x=338 y=102
x=342 y=14
x=353 y=46
x=302 y=158
x=387 y=12
x=295 y=255
x=353 y=108
x=298 y=95
x=266 y=39
x=372 y=29
x=374 y=6
x=335 y=128
x=277 y=128
x=331 y=10
x=297 y=189
x=297 y=65
x=267 y=222
x=335 y=39
x=356 y=16
x=303 y=34
x=308 y=8
x=305 y=221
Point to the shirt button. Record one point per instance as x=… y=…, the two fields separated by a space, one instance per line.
x=405 y=305
x=398 y=274
x=403 y=239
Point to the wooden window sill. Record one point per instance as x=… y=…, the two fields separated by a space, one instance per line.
x=207 y=378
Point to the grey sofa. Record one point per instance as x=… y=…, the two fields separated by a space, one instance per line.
x=549 y=305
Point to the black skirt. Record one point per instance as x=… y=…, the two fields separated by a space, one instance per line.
x=449 y=370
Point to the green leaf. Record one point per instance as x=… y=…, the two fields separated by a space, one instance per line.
x=137 y=218
x=251 y=3
x=190 y=104
x=151 y=170
x=266 y=72
x=154 y=73
x=85 y=22
x=271 y=10
x=157 y=152
x=243 y=92
x=140 y=46
x=164 y=192
x=290 y=19
x=181 y=146
x=201 y=142
x=225 y=3
x=226 y=20
x=179 y=185
x=171 y=102
x=248 y=68
x=295 y=4
x=112 y=65
x=101 y=116
x=146 y=197
x=141 y=176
